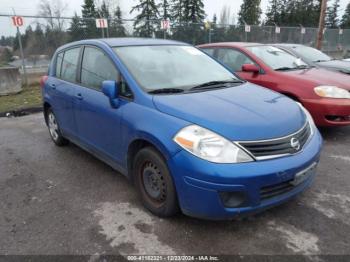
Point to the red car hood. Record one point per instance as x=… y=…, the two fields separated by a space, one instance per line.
x=318 y=76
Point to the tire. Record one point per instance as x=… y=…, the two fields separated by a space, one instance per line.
x=154 y=183
x=54 y=129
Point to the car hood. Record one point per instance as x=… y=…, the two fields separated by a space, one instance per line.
x=244 y=112
x=340 y=65
x=319 y=76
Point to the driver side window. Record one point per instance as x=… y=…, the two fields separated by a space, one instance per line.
x=233 y=59
x=96 y=67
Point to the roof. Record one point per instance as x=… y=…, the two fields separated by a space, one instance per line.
x=124 y=41
x=133 y=41
x=228 y=44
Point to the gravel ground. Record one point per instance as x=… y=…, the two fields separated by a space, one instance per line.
x=60 y=201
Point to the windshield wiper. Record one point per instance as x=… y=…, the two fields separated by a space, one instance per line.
x=303 y=67
x=166 y=91
x=285 y=68
x=216 y=84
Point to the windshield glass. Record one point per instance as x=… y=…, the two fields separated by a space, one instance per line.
x=311 y=54
x=276 y=58
x=171 y=66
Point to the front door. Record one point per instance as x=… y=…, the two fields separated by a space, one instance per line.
x=98 y=123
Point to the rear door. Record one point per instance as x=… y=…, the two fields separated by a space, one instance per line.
x=61 y=88
x=97 y=122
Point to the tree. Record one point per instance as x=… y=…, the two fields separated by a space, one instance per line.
x=7 y=40
x=53 y=12
x=194 y=11
x=275 y=12
x=250 y=12
x=76 y=30
x=117 y=25
x=177 y=11
x=345 y=21
x=165 y=7
x=103 y=11
x=293 y=13
x=147 y=21
x=5 y=56
x=332 y=20
x=89 y=14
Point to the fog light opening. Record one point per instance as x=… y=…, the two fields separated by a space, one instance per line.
x=233 y=199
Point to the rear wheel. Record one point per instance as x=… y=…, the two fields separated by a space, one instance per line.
x=54 y=129
x=154 y=183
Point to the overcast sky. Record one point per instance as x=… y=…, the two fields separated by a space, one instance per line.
x=30 y=7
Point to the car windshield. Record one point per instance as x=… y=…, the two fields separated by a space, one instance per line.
x=277 y=58
x=172 y=67
x=311 y=54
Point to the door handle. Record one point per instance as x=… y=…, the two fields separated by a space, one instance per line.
x=79 y=96
x=53 y=86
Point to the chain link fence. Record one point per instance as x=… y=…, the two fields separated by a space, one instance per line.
x=41 y=36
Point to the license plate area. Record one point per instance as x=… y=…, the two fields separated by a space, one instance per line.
x=303 y=175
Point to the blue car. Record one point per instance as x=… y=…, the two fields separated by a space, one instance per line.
x=191 y=135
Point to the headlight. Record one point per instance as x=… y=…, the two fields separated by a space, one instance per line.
x=212 y=147
x=332 y=92
x=309 y=118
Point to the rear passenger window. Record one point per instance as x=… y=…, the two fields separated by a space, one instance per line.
x=97 y=67
x=70 y=64
x=59 y=60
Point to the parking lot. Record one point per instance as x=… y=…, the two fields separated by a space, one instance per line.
x=64 y=201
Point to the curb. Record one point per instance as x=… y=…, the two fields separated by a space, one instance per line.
x=21 y=112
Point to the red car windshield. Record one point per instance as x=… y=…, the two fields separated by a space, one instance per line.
x=277 y=58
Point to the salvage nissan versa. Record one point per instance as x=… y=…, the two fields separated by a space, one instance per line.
x=190 y=134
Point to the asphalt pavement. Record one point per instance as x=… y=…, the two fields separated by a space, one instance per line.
x=63 y=201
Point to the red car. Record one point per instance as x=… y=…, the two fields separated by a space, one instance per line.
x=324 y=93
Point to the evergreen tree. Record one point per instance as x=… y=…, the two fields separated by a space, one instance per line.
x=293 y=13
x=345 y=21
x=103 y=11
x=165 y=7
x=147 y=21
x=177 y=11
x=332 y=20
x=76 y=30
x=275 y=12
x=7 y=41
x=250 y=12
x=189 y=15
x=89 y=14
x=194 y=11
x=117 y=25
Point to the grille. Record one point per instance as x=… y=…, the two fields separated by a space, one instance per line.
x=275 y=190
x=273 y=148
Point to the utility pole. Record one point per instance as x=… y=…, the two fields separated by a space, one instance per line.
x=321 y=24
x=21 y=52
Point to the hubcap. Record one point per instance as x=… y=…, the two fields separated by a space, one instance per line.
x=53 y=127
x=154 y=182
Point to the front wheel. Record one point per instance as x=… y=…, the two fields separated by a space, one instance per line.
x=54 y=129
x=154 y=183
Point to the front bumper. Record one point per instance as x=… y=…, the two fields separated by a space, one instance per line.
x=328 y=111
x=199 y=182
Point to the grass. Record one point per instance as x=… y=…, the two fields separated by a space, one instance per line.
x=28 y=97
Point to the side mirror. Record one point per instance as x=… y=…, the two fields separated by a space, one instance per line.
x=110 y=89
x=250 y=68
